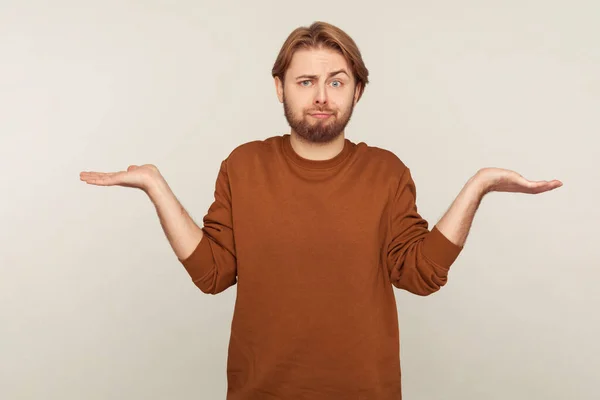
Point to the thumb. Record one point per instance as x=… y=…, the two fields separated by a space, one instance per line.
x=132 y=167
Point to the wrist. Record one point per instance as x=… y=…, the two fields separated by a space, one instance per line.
x=156 y=187
x=478 y=185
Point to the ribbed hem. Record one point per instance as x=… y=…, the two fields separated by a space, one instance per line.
x=439 y=249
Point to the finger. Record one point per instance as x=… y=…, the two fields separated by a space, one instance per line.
x=521 y=180
x=99 y=180
x=105 y=179
x=545 y=182
x=92 y=174
x=92 y=177
x=530 y=185
x=88 y=175
x=95 y=175
x=547 y=186
x=550 y=184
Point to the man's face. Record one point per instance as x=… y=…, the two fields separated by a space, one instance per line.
x=311 y=88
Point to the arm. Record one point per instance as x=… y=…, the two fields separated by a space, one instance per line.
x=181 y=231
x=208 y=253
x=212 y=264
x=419 y=259
x=457 y=221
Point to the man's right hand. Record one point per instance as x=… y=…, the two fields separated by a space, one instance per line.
x=141 y=177
x=181 y=231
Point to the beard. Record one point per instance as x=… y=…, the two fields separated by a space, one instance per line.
x=318 y=131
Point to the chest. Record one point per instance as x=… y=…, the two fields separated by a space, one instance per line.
x=313 y=225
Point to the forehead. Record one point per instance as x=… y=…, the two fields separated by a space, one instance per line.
x=317 y=61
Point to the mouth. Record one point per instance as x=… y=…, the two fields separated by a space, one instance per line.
x=321 y=115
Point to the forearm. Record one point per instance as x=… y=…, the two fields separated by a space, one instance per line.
x=182 y=232
x=457 y=221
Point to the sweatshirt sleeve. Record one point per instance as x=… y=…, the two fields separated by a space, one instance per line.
x=418 y=259
x=212 y=266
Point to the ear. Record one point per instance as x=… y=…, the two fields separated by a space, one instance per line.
x=279 y=88
x=357 y=93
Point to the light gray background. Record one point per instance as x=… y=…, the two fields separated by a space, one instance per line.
x=94 y=304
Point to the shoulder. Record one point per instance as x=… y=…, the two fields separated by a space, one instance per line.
x=386 y=160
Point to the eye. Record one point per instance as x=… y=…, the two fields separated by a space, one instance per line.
x=339 y=83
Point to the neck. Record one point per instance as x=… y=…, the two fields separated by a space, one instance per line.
x=317 y=151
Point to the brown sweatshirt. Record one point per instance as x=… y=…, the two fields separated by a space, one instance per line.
x=315 y=248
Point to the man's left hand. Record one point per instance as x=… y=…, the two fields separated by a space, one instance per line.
x=504 y=180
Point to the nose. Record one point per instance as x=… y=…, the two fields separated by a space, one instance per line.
x=321 y=96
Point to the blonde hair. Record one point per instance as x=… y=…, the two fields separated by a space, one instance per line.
x=322 y=35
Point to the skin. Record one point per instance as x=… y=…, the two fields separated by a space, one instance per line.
x=309 y=88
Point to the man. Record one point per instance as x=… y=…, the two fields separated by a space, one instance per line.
x=316 y=231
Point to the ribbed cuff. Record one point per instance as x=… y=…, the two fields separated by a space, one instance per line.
x=201 y=261
x=439 y=249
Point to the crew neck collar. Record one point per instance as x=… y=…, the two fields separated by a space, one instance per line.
x=315 y=164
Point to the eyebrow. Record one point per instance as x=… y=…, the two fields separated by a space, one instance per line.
x=330 y=74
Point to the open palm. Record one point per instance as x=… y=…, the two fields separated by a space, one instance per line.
x=505 y=180
x=135 y=176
